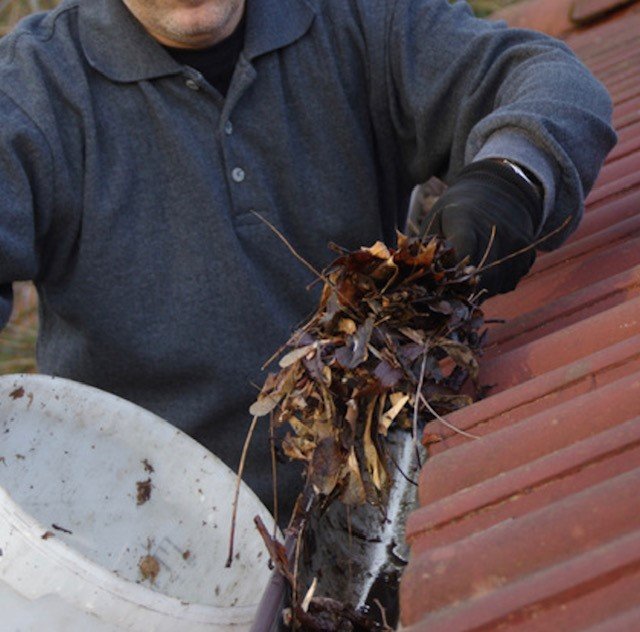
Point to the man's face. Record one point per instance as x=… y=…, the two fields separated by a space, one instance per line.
x=188 y=23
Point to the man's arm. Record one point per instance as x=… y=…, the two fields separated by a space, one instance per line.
x=26 y=194
x=462 y=90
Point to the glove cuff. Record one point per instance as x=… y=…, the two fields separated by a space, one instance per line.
x=500 y=174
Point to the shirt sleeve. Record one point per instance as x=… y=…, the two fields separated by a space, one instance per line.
x=462 y=89
x=25 y=199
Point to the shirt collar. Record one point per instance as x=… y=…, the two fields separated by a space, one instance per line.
x=118 y=46
x=273 y=24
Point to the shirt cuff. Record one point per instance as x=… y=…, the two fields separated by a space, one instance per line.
x=516 y=147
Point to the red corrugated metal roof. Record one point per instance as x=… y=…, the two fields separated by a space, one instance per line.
x=536 y=525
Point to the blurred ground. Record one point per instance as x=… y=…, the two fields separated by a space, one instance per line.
x=12 y=10
x=485 y=7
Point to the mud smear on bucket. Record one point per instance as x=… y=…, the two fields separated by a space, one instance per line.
x=143 y=491
x=149 y=568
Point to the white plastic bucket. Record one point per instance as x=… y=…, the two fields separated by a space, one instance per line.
x=138 y=496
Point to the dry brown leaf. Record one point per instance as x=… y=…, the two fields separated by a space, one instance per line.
x=326 y=466
x=398 y=401
x=391 y=322
x=264 y=404
x=379 y=250
x=460 y=354
x=353 y=492
x=347 y=326
x=374 y=464
x=269 y=399
x=295 y=355
x=389 y=319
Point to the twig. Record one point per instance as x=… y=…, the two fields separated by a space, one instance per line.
x=475 y=297
x=444 y=421
x=347 y=304
x=405 y=476
x=296 y=561
x=274 y=475
x=278 y=553
x=532 y=246
x=488 y=248
x=427 y=230
x=293 y=340
x=234 y=513
x=350 y=540
x=383 y=614
x=292 y=250
x=423 y=368
x=309 y=596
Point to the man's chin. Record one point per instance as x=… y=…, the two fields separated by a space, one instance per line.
x=197 y=28
x=187 y=34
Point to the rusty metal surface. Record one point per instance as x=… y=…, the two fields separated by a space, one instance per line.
x=535 y=525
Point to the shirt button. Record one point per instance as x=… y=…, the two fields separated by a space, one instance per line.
x=191 y=84
x=228 y=128
x=238 y=174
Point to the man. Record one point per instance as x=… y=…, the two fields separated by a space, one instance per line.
x=137 y=137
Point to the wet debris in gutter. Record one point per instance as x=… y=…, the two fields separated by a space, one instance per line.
x=394 y=343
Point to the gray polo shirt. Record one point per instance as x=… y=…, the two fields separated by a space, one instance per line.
x=127 y=182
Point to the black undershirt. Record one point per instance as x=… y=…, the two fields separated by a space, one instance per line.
x=216 y=63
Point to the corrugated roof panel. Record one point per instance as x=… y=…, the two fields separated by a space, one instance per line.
x=602 y=216
x=588 y=591
x=552 y=477
x=524 y=548
x=536 y=524
x=543 y=432
x=567 y=310
x=504 y=370
x=540 y=394
x=557 y=277
x=628 y=141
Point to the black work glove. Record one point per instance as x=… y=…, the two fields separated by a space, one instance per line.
x=485 y=194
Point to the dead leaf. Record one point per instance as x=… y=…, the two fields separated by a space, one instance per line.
x=356 y=351
x=326 y=466
x=295 y=355
x=387 y=375
x=388 y=319
x=460 y=354
x=269 y=399
x=347 y=326
x=387 y=419
x=353 y=492
x=379 y=250
x=374 y=464
x=264 y=404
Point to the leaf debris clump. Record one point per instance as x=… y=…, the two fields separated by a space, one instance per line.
x=394 y=343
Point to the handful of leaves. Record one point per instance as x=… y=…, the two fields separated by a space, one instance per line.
x=392 y=344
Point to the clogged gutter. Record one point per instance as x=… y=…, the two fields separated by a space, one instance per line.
x=394 y=343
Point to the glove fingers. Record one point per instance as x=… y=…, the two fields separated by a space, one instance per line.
x=462 y=235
